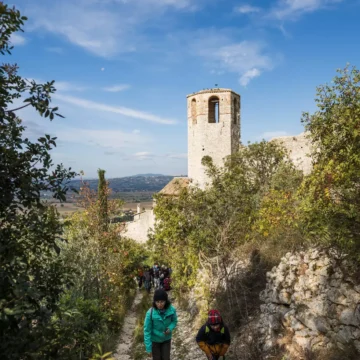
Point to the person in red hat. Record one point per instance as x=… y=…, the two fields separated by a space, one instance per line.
x=214 y=337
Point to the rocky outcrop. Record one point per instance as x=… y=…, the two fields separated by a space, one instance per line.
x=312 y=299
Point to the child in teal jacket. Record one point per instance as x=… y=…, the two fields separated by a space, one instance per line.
x=160 y=321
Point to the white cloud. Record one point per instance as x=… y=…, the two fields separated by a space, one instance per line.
x=247 y=58
x=117 y=88
x=247 y=9
x=68 y=86
x=268 y=135
x=103 y=27
x=143 y=155
x=110 y=139
x=133 y=113
x=249 y=75
x=102 y=69
x=17 y=39
x=61 y=85
x=177 y=156
x=136 y=131
x=292 y=9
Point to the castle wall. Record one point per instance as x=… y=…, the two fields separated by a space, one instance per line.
x=298 y=148
x=138 y=229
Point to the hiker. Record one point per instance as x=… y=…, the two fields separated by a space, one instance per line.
x=147 y=280
x=214 y=338
x=152 y=275
x=140 y=277
x=156 y=276
x=160 y=321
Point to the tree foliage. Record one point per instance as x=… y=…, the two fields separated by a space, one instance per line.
x=212 y=223
x=103 y=198
x=331 y=194
x=32 y=275
x=105 y=265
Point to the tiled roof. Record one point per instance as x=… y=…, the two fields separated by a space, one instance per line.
x=174 y=187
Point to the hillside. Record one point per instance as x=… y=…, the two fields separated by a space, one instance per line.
x=153 y=183
x=137 y=188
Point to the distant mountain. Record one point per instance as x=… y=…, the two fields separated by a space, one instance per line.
x=136 y=183
x=149 y=175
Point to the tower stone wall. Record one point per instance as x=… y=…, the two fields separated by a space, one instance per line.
x=213 y=129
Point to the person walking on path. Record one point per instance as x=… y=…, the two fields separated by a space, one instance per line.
x=147 y=279
x=160 y=321
x=214 y=337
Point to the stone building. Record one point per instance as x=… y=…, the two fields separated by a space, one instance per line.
x=299 y=149
x=213 y=117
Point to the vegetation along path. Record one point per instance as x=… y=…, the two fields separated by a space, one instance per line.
x=126 y=337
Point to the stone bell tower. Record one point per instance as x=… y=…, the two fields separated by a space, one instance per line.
x=213 y=129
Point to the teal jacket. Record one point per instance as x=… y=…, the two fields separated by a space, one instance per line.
x=155 y=326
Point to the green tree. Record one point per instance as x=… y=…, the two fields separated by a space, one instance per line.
x=105 y=265
x=103 y=200
x=199 y=225
x=331 y=194
x=32 y=275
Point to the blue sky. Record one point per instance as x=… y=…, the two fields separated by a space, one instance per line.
x=123 y=69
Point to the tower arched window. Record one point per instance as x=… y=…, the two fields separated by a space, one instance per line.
x=214 y=109
x=193 y=111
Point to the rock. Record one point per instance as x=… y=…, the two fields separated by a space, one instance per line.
x=309 y=295
x=314 y=254
x=344 y=336
x=350 y=317
x=323 y=270
x=357 y=345
x=284 y=297
x=303 y=342
x=274 y=322
x=321 y=324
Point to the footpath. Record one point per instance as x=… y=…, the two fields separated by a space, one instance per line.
x=127 y=333
x=183 y=345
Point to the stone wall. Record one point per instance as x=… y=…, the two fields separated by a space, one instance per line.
x=298 y=148
x=138 y=229
x=312 y=298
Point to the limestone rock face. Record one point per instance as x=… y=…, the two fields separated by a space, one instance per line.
x=312 y=296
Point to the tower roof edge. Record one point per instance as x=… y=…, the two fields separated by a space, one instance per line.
x=213 y=91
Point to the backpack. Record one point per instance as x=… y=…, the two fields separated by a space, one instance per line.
x=167 y=282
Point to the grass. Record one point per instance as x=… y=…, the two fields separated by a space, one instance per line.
x=138 y=349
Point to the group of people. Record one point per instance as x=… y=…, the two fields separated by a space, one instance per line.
x=155 y=276
x=213 y=337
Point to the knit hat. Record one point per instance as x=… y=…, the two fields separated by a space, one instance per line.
x=160 y=294
x=214 y=317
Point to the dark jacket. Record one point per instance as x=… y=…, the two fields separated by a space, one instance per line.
x=213 y=342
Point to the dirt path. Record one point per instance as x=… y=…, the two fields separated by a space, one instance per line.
x=126 y=337
x=183 y=345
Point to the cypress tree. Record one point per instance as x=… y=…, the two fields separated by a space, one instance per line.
x=102 y=198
